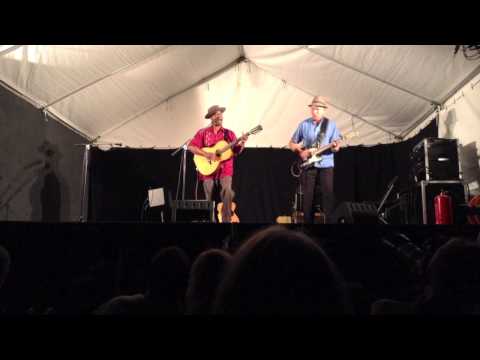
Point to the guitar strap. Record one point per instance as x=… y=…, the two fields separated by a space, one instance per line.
x=205 y=137
x=323 y=131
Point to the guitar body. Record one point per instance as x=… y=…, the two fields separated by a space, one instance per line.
x=316 y=153
x=208 y=167
x=234 y=218
x=307 y=164
x=224 y=151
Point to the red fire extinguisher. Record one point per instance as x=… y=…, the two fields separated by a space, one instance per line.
x=443 y=209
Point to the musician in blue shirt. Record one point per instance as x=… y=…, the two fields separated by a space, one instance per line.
x=313 y=132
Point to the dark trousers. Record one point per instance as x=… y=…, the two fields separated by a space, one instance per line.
x=317 y=183
x=226 y=195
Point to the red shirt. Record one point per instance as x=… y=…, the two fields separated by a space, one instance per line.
x=207 y=138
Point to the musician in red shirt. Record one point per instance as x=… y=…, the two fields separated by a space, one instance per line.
x=208 y=137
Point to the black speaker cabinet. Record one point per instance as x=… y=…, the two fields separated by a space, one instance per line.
x=193 y=211
x=435 y=159
x=355 y=213
x=421 y=208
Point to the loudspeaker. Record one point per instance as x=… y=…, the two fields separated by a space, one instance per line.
x=193 y=211
x=355 y=213
x=434 y=159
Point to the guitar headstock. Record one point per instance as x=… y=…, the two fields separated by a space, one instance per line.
x=349 y=135
x=255 y=130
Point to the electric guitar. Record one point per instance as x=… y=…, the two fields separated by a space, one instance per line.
x=222 y=150
x=316 y=153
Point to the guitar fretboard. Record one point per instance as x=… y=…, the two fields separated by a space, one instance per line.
x=233 y=143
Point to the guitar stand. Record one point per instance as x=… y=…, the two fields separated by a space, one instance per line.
x=297 y=213
x=380 y=214
x=382 y=220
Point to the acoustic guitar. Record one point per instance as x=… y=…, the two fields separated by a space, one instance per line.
x=222 y=149
x=234 y=218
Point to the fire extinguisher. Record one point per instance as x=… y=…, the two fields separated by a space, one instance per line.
x=443 y=209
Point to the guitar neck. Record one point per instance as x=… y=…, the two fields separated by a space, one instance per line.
x=321 y=149
x=235 y=142
x=229 y=146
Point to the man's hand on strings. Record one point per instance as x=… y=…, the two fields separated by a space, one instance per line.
x=305 y=154
x=243 y=139
x=212 y=156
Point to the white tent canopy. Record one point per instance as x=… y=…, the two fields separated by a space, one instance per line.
x=157 y=95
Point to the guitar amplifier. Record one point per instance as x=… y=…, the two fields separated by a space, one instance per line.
x=435 y=159
x=355 y=213
x=188 y=211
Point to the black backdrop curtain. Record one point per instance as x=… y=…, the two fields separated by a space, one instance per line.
x=363 y=173
x=120 y=178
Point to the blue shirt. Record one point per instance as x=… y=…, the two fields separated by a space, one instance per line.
x=308 y=132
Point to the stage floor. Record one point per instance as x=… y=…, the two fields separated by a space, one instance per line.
x=196 y=236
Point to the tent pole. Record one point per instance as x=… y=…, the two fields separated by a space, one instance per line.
x=242 y=51
x=85 y=187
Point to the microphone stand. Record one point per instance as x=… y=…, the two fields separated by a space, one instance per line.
x=183 y=168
